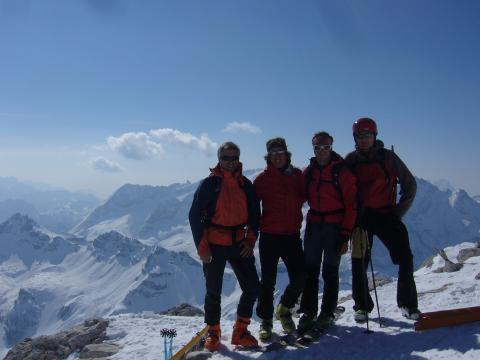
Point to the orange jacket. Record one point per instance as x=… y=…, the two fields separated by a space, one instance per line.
x=235 y=206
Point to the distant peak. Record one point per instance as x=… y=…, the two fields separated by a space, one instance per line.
x=113 y=234
x=18 y=222
x=459 y=195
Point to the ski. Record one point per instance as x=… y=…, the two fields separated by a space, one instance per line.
x=273 y=346
x=314 y=334
x=444 y=318
x=193 y=345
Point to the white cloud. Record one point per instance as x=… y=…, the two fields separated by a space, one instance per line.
x=242 y=126
x=202 y=143
x=137 y=146
x=105 y=165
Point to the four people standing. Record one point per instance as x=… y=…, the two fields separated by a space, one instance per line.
x=225 y=219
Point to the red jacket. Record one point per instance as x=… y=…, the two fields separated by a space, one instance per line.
x=378 y=172
x=281 y=194
x=331 y=200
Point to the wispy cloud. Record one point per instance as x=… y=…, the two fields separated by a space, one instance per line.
x=142 y=145
x=105 y=165
x=137 y=146
x=202 y=143
x=235 y=126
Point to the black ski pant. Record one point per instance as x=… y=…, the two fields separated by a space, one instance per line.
x=246 y=273
x=394 y=235
x=321 y=246
x=272 y=249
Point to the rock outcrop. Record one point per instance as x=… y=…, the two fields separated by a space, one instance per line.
x=61 y=345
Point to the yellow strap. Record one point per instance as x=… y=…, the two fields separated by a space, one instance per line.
x=359 y=243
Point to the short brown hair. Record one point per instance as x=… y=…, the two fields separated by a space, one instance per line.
x=228 y=145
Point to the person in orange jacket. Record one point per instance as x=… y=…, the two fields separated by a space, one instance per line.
x=224 y=218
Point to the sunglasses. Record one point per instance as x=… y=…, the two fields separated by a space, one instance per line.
x=364 y=135
x=322 y=147
x=279 y=152
x=229 y=158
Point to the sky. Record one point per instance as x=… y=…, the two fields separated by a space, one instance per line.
x=98 y=93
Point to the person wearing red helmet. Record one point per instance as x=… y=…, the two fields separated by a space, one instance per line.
x=331 y=194
x=378 y=172
x=279 y=188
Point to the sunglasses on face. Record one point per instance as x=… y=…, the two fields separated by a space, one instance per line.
x=322 y=147
x=365 y=135
x=229 y=158
x=279 y=152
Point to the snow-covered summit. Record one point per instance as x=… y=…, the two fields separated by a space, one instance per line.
x=22 y=237
x=139 y=211
x=113 y=245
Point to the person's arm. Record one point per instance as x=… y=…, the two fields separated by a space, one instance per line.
x=198 y=209
x=254 y=213
x=408 y=186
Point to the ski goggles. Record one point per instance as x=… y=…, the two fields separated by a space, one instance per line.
x=365 y=135
x=277 y=152
x=322 y=147
x=229 y=158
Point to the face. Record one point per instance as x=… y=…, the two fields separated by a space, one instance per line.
x=278 y=158
x=365 y=140
x=229 y=160
x=323 y=150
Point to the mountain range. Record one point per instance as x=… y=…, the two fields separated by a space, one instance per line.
x=134 y=252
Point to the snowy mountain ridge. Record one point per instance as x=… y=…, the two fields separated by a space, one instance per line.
x=57 y=277
x=49 y=282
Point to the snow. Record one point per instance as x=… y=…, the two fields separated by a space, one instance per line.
x=61 y=276
x=139 y=334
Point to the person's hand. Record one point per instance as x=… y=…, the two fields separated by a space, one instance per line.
x=344 y=248
x=343 y=243
x=246 y=250
x=205 y=256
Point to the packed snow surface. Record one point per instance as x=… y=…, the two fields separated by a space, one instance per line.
x=139 y=334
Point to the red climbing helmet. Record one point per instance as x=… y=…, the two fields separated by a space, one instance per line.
x=364 y=125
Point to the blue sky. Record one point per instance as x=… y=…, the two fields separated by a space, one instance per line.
x=98 y=93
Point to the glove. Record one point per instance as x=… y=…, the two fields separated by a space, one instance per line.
x=251 y=238
x=203 y=250
x=343 y=243
x=246 y=250
x=205 y=255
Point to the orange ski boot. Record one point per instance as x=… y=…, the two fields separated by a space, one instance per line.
x=212 y=341
x=241 y=336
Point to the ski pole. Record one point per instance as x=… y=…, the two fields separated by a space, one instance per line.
x=172 y=334
x=375 y=289
x=165 y=347
x=365 y=280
